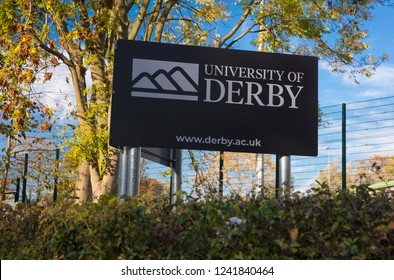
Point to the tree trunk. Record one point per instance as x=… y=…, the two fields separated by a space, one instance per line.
x=83 y=188
x=90 y=185
x=6 y=168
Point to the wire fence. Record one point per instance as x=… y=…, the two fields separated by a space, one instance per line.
x=369 y=157
x=33 y=170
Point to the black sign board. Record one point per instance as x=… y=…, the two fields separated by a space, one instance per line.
x=186 y=97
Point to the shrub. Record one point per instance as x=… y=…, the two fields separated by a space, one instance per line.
x=319 y=225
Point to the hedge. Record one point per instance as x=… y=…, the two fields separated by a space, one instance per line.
x=318 y=225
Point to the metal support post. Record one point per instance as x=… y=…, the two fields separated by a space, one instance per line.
x=18 y=186
x=277 y=176
x=176 y=175
x=133 y=181
x=343 y=146
x=129 y=172
x=122 y=172
x=24 y=179
x=221 y=175
x=284 y=174
x=56 y=177
x=260 y=175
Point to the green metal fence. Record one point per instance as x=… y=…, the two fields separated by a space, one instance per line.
x=356 y=146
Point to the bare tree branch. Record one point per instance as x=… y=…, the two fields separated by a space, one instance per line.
x=236 y=27
x=140 y=18
x=163 y=19
x=54 y=52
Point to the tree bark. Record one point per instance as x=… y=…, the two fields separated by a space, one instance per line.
x=6 y=168
x=140 y=18
x=83 y=189
x=162 y=20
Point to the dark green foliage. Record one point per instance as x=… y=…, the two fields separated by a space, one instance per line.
x=317 y=226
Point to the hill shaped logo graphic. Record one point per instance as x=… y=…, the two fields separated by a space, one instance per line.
x=165 y=79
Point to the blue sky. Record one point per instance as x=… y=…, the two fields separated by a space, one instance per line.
x=336 y=89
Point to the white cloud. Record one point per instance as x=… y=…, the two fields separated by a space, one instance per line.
x=53 y=92
x=383 y=78
x=373 y=93
x=323 y=65
x=379 y=85
x=58 y=92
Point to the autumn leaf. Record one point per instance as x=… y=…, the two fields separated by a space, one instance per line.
x=46 y=127
x=54 y=61
x=294 y=234
x=47 y=76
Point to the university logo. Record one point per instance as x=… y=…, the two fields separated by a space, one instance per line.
x=165 y=79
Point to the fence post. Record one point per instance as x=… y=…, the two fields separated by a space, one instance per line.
x=56 y=177
x=24 y=179
x=343 y=146
x=18 y=186
x=221 y=175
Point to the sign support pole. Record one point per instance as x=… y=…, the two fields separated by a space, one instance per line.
x=176 y=175
x=133 y=181
x=129 y=172
x=284 y=174
x=122 y=172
